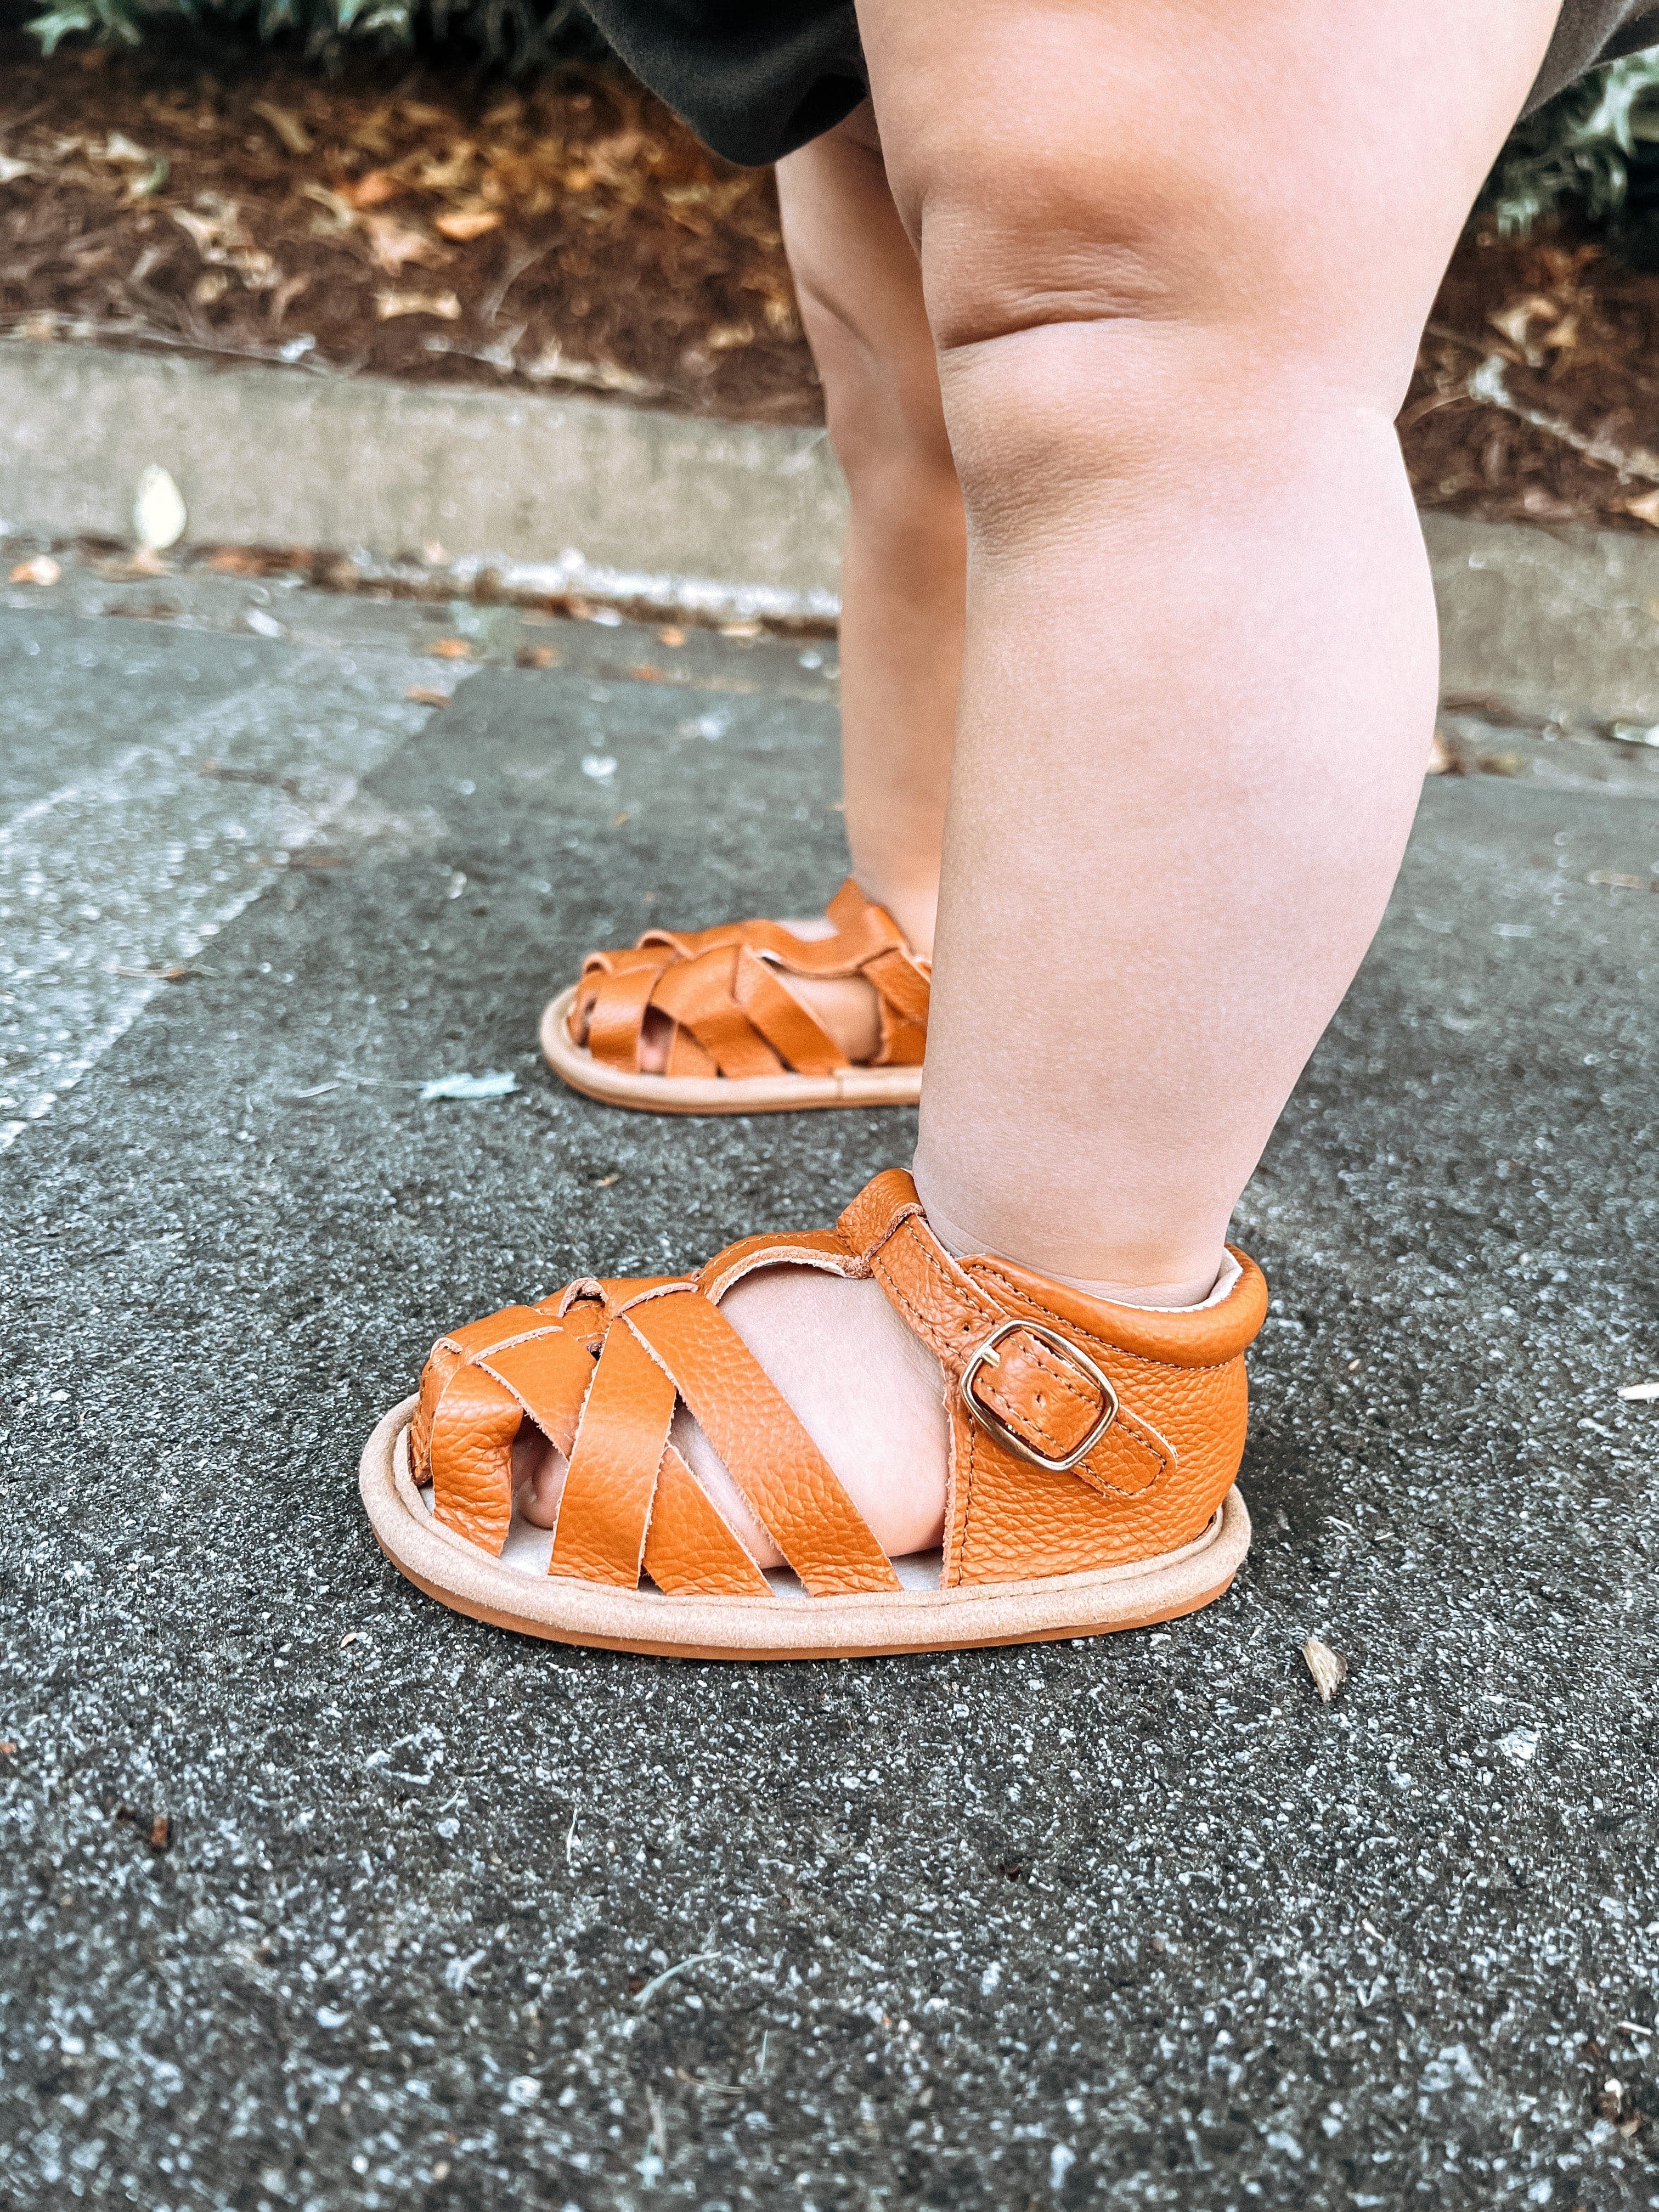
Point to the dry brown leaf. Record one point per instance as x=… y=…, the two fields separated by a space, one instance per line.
x=465 y=223
x=284 y=294
x=443 y=305
x=283 y=121
x=551 y=364
x=395 y=244
x=1443 y=760
x=672 y=637
x=1544 y=506
x=426 y=694
x=450 y=648
x=214 y=235
x=373 y=190
x=451 y=172
x=1645 y=509
x=614 y=155
x=371 y=134
x=118 y=149
x=1329 y=1668
x=42 y=570
x=537 y=656
x=1516 y=321
x=1615 y=879
x=344 y=215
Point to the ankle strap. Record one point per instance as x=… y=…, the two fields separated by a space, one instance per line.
x=1039 y=1393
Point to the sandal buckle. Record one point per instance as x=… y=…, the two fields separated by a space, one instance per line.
x=985 y=1355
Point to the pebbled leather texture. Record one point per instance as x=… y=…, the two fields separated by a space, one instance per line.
x=689 y=1550
x=794 y=1491
x=477 y=1419
x=733 y=1017
x=621 y=1437
x=601 y=1368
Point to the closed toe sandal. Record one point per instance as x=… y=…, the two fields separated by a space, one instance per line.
x=741 y=1042
x=1092 y=1452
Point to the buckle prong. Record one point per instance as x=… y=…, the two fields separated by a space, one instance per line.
x=986 y=1355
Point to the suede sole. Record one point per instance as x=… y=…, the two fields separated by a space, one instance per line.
x=872 y=1625
x=699 y=1094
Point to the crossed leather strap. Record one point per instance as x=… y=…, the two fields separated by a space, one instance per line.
x=601 y=1368
x=731 y=1015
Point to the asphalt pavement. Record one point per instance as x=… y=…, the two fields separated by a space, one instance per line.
x=316 y=1896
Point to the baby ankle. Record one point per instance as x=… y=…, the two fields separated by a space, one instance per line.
x=1186 y=1295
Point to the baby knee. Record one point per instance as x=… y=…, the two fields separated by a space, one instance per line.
x=880 y=386
x=1093 y=318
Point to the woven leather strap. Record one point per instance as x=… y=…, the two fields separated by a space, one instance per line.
x=601 y=1376
x=731 y=1014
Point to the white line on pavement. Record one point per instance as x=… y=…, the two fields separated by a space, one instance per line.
x=140 y=863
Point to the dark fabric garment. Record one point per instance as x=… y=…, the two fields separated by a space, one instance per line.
x=756 y=78
x=1592 y=31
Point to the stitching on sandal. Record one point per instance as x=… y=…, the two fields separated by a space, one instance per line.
x=924 y=1328
x=1132 y=1430
x=1021 y=1297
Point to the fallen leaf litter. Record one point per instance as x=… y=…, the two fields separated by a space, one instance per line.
x=569 y=230
x=1329 y=1668
x=428 y=225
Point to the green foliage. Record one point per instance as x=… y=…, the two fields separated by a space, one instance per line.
x=518 y=32
x=1582 y=145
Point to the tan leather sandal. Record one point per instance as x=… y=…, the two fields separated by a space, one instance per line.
x=1093 y=1449
x=742 y=1043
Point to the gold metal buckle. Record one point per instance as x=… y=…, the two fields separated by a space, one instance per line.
x=993 y=1422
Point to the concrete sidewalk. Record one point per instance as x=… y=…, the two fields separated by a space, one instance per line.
x=1139 y=1922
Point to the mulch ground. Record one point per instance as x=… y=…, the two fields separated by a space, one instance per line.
x=570 y=234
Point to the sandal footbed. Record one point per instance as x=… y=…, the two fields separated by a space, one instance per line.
x=460 y=1575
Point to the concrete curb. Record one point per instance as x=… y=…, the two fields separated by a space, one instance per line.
x=1540 y=625
x=587 y=496
x=561 y=494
